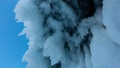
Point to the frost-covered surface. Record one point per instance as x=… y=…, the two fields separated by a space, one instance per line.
x=63 y=34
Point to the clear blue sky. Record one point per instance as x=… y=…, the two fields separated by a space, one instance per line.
x=12 y=47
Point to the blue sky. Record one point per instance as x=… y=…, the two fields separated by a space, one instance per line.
x=12 y=47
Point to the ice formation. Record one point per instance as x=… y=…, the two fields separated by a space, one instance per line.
x=71 y=33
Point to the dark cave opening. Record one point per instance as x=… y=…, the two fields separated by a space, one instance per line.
x=87 y=8
x=84 y=8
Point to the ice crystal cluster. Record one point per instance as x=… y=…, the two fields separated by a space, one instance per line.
x=71 y=33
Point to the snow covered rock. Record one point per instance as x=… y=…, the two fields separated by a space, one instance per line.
x=71 y=33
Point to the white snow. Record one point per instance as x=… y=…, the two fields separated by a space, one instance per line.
x=111 y=19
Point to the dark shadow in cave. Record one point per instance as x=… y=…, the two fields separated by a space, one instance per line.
x=58 y=65
x=87 y=8
x=84 y=8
